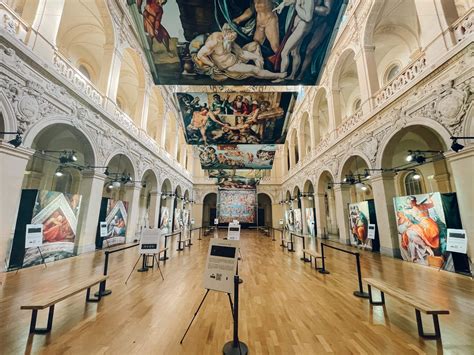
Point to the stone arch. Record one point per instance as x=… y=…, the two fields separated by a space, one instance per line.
x=347 y=158
x=128 y=159
x=209 y=203
x=305 y=128
x=8 y=121
x=320 y=115
x=264 y=201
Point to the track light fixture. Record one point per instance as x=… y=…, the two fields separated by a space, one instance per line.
x=16 y=142
x=59 y=171
x=457 y=146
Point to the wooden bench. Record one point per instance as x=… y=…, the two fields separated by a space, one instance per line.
x=419 y=304
x=313 y=254
x=49 y=300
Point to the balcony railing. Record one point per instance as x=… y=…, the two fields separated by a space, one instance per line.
x=397 y=84
x=77 y=79
x=12 y=23
x=464 y=26
x=349 y=123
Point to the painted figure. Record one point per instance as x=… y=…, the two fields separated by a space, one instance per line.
x=152 y=16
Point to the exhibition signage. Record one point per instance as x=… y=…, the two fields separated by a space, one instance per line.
x=221 y=265
x=150 y=241
x=34 y=235
x=456 y=241
x=192 y=220
x=233 y=232
x=371 y=231
x=216 y=221
x=281 y=222
x=103 y=229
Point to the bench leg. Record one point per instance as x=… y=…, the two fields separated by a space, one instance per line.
x=94 y=299
x=34 y=316
x=421 y=333
x=376 y=303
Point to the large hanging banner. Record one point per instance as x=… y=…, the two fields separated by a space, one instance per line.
x=239 y=156
x=58 y=213
x=290 y=220
x=116 y=221
x=185 y=218
x=248 y=42
x=237 y=205
x=422 y=229
x=236 y=118
x=310 y=225
x=166 y=222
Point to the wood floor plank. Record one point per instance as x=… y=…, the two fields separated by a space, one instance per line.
x=287 y=307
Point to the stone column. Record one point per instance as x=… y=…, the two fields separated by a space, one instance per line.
x=45 y=28
x=342 y=196
x=320 y=217
x=292 y=155
x=367 y=74
x=132 y=196
x=13 y=162
x=141 y=109
x=334 y=109
x=92 y=184
x=154 y=209
x=164 y=128
x=434 y=18
x=383 y=188
x=110 y=71
x=462 y=168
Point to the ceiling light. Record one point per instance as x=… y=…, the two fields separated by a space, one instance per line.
x=73 y=156
x=111 y=186
x=116 y=184
x=409 y=156
x=364 y=188
x=59 y=172
x=360 y=186
x=417 y=176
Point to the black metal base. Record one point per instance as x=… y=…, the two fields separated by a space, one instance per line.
x=163 y=258
x=103 y=293
x=229 y=349
x=325 y=272
x=143 y=269
x=421 y=333
x=241 y=281
x=361 y=294
x=306 y=260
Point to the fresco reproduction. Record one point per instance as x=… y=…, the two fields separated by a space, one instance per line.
x=422 y=229
x=239 y=156
x=236 y=118
x=237 y=204
x=58 y=213
x=237 y=173
x=247 y=42
x=116 y=219
x=237 y=183
x=359 y=220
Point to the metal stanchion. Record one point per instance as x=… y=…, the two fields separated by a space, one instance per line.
x=236 y=347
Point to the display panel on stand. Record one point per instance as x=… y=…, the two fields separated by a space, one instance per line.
x=361 y=216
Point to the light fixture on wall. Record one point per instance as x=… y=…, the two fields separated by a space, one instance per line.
x=417 y=176
x=455 y=146
x=16 y=142
x=420 y=156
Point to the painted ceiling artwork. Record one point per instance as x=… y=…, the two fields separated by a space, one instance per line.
x=236 y=118
x=238 y=173
x=237 y=183
x=240 y=156
x=228 y=42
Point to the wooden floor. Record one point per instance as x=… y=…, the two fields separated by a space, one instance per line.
x=286 y=306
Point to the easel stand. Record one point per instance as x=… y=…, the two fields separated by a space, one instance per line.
x=42 y=261
x=235 y=347
x=145 y=266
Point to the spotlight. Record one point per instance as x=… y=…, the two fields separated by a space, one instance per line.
x=106 y=172
x=59 y=172
x=73 y=156
x=116 y=184
x=367 y=174
x=364 y=188
x=111 y=186
x=360 y=186
x=417 y=176
x=16 y=142
x=456 y=146
x=344 y=180
x=420 y=159
x=410 y=156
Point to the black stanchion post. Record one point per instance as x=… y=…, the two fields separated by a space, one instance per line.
x=235 y=347
x=304 y=258
x=200 y=233
x=273 y=234
x=292 y=243
x=165 y=256
x=102 y=287
x=360 y=293
x=323 y=268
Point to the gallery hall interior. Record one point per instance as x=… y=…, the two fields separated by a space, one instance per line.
x=236 y=177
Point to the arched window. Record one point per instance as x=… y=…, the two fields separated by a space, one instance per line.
x=84 y=71
x=391 y=72
x=413 y=183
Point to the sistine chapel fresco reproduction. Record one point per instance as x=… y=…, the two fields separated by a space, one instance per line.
x=247 y=42
x=240 y=156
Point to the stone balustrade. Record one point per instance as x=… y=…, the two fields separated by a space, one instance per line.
x=12 y=23
x=77 y=79
x=464 y=26
x=397 y=84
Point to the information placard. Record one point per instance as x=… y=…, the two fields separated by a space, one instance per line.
x=371 y=231
x=192 y=221
x=150 y=241
x=34 y=235
x=280 y=222
x=103 y=229
x=216 y=221
x=233 y=232
x=221 y=265
x=456 y=241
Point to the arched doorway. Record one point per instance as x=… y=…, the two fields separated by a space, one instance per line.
x=209 y=211
x=120 y=195
x=177 y=209
x=148 y=200
x=297 y=213
x=309 y=220
x=326 y=207
x=166 y=207
x=264 y=214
